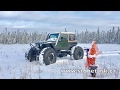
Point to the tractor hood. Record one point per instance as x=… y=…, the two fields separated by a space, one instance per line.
x=46 y=42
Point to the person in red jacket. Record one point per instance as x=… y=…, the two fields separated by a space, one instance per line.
x=91 y=57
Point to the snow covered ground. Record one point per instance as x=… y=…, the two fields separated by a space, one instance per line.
x=14 y=66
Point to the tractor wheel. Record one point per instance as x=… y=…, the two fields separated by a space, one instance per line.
x=31 y=54
x=49 y=56
x=77 y=53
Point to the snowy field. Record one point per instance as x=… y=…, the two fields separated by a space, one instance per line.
x=14 y=66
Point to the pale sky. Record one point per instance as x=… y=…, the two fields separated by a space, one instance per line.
x=54 y=21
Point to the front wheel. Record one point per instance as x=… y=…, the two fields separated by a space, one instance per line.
x=32 y=54
x=49 y=56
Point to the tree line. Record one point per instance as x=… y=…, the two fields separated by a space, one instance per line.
x=21 y=37
x=111 y=36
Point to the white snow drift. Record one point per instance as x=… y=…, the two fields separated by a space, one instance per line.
x=14 y=66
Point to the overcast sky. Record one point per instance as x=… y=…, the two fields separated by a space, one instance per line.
x=53 y=21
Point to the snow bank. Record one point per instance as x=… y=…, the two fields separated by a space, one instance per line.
x=14 y=66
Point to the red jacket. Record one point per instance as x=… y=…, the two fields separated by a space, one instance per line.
x=91 y=57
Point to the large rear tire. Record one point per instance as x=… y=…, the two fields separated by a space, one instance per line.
x=77 y=53
x=49 y=56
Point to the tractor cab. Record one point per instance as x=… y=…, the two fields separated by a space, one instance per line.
x=52 y=37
